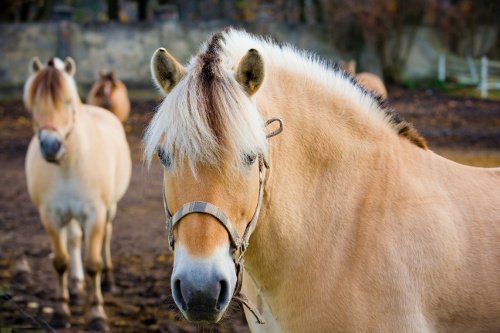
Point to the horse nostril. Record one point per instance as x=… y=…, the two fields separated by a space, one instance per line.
x=50 y=147
x=223 y=295
x=56 y=145
x=177 y=294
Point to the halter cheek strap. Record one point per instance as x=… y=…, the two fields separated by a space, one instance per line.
x=238 y=245
x=210 y=209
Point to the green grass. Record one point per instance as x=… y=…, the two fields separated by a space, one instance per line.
x=480 y=158
x=468 y=91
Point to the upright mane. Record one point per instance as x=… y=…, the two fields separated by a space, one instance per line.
x=50 y=86
x=208 y=115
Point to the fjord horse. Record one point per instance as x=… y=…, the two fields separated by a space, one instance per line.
x=110 y=93
x=77 y=166
x=361 y=229
x=369 y=81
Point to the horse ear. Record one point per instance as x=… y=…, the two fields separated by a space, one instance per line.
x=351 y=66
x=166 y=71
x=102 y=73
x=250 y=73
x=348 y=66
x=70 y=66
x=35 y=65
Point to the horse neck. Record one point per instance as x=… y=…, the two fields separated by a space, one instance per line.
x=119 y=91
x=321 y=168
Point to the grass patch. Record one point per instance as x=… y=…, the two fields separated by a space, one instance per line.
x=467 y=91
x=480 y=158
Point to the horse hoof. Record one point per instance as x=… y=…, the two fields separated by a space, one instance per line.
x=98 y=324
x=77 y=299
x=60 y=320
x=108 y=286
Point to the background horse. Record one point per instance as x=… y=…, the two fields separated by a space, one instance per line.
x=77 y=166
x=110 y=93
x=361 y=228
x=369 y=81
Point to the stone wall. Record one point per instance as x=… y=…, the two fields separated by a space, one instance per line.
x=126 y=48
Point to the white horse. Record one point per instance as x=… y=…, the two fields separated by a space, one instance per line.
x=77 y=166
x=361 y=227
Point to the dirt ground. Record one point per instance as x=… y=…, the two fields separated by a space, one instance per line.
x=467 y=130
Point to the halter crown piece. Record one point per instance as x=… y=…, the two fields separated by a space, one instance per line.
x=238 y=245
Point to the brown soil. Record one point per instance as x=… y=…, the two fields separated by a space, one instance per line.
x=467 y=130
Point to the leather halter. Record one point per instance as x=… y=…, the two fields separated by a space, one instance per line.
x=238 y=245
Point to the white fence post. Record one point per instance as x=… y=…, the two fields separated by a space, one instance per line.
x=441 y=67
x=472 y=69
x=483 y=85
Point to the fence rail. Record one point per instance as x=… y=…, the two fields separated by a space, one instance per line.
x=482 y=73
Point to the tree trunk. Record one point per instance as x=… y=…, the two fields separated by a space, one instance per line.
x=113 y=10
x=142 y=10
x=43 y=13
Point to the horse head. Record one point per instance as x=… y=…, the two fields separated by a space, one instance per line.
x=50 y=94
x=107 y=83
x=212 y=144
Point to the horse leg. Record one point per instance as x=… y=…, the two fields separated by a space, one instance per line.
x=108 y=281
x=94 y=236
x=77 y=278
x=60 y=318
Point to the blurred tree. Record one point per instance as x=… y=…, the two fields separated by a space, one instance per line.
x=142 y=7
x=188 y=9
x=244 y=10
x=24 y=11
x=44 y=10
x=465 y=25
x=7 y=11
x=113 y=10
x=387 y=27
x=318 y=11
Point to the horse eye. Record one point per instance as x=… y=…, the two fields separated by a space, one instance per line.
x=164 y=157
x=250 y=159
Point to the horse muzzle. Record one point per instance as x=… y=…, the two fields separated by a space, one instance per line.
x=51 y=145
x=202 y=288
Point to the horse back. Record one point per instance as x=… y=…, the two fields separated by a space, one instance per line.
x=111 y=141
x=455 y=245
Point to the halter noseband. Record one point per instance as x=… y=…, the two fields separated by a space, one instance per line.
x=238 y=245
